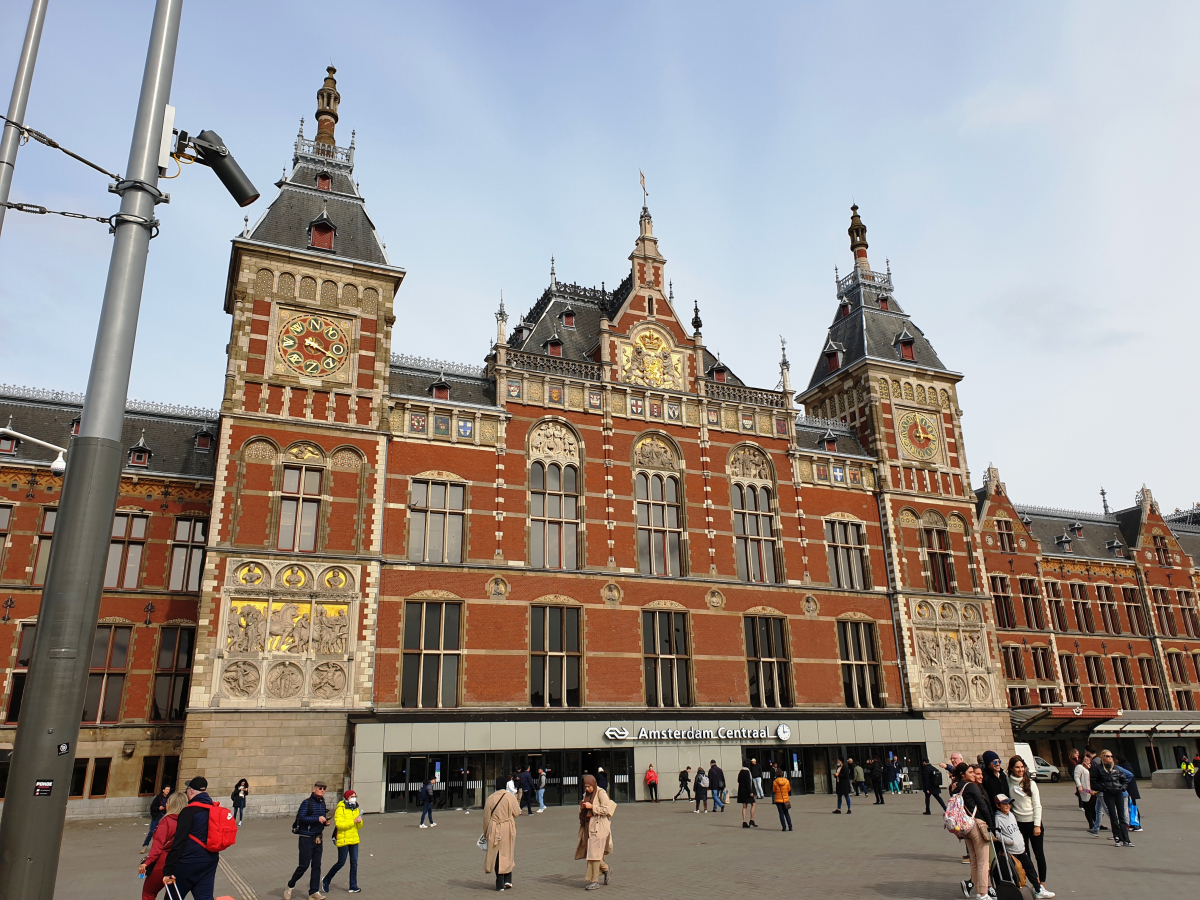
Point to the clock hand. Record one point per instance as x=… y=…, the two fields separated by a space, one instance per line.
x=314 y=344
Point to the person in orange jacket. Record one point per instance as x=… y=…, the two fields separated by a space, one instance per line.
x=781 y=787
x=651 y=785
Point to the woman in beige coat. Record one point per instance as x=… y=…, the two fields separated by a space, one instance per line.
x=595 y=831
x=500 y=813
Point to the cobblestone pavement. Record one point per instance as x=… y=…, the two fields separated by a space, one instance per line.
x=891 y=851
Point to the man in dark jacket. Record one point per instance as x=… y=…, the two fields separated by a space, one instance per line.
x=716 y=785
x=158 y=808
x=527 y=789
x=190 y=866
x=756 y=775
x=995 y=779
x=931 y=783
x=1110 y=780
x=685 y=784
x=311 y=819
x=876 y=776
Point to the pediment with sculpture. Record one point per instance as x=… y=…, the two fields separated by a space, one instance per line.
x=652 y=360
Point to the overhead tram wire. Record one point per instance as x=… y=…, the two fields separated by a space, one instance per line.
x=27 y=133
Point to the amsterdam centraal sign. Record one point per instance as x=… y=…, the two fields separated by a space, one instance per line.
x=782 y=732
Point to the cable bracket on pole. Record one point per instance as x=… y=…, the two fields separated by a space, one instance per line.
x=121 y=218
x=125 y=184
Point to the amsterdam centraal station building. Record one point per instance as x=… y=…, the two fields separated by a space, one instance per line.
x=598 y=548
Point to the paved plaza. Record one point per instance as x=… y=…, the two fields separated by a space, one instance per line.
x=667 y=851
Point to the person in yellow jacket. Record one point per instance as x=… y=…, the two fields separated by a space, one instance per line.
x=781 y=787
x=347 y=820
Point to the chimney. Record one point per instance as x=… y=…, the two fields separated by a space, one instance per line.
x=328 y=99
x=858 y=241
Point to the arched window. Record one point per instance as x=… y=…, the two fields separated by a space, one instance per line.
x=754 y=532
x=554 y=515
x=659 y=527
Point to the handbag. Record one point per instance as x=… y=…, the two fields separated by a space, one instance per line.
x=787 y=804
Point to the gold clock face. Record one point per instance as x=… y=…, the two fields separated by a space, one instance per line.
x=918 y=435
x=313 y=345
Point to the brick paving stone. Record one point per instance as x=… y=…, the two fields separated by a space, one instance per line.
x=668 y=851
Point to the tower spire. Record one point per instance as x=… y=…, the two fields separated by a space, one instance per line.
x=328 y=100
x=858 y=240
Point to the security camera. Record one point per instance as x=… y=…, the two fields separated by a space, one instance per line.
x=59 y=465
x=211 y=151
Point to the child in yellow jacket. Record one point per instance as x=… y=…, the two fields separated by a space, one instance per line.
x=347 y=820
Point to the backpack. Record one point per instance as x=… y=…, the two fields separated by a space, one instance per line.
x=702 y=780
x=222 y=829
x=956 y=819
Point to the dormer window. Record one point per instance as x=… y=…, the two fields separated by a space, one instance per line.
x=1078 y=529
x=8 y=445
x=906 y=350
x=1064 y=542
x=720 y=374
x=1114 y=547
x=322 y=237
x=324 y=182
x=830 y=444
x=75 y=427
x=832 y=360
x=139 y=453
x=203 y=442
x=883 y=303
x=844 y=309
x=568 y=318
x=554 y=348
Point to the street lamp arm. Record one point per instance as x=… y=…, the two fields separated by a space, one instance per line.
x=24 y=437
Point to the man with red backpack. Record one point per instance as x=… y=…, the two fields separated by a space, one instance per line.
x=203 y=829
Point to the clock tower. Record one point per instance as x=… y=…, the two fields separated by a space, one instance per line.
x=879 y=374
x=292 y=574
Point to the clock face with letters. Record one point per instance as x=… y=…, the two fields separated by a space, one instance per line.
x=917 y=433
x=313 y=345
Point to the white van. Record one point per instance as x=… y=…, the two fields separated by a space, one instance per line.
x=1042 y=771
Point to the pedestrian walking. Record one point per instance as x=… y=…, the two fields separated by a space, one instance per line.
x=152 y=865
x=841 y=778
x=602 y=779
x=425 y=798
x=1027 y=809
x=746 y=795
x=1132 y=794
x=347 y=820
x=781 y=788
x=700 y=786
x=511 y=787
x=756 y=774
x=651 y=785
x=238 y=798
x=685 y=784
x=500 y=812
x=995 y=781
x=310 y=822
x=860 y=779
x=978 y=839
x=876 y=775
x=1014 y=843
x=158 y=808
x=889 y=775
x=595 y=832
x=716 y=785
x=1083 y=786
x=1111 y=782
x=190 y=866
x=527 y=790
x=931 y=784
x=541 y=789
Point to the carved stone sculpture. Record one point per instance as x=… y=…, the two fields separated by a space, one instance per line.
x=654 y=453
x=328 y=680
x=552 y=440
x=750 y=462
x=285 y=681
x=241 y=679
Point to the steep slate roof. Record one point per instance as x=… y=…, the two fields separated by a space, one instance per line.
x=812 y=437
x=300 y=202
x=867 y=331
x=414 y=378
x=1049 y=524
x=170 y=431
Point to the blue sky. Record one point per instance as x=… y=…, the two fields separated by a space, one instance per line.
x=1028 y=169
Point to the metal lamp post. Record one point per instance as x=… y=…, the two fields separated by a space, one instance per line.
x=45 y=743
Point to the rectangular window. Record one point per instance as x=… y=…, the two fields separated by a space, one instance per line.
x=5 y=524
x=553 y=516
x=20 y=672
x=1018 y=697
x=1163 y=612
x=1124 y=677
x=432 y=650
x=665 y=658
x=435 y=523
x=1014 y=665
x=106 y=683
x=1161 y=551
x=1004 y=531
x=1047 y=696
x=1006 y=616
x=78 y=777
x=1070 y=674
x=1098 y=681
x=1187 y=611
x=1185 y=701
x=100 y=777
x=659 y=525
x=1032 y=603
x=768 y=662
x=555 y=660
x=147 y=785
x=1109 y=613
x=846 y=548
x=1134 y=611
x=124 y=568
x=187 y=554
x=941 y=566
x=1083 y=608
x=44 y=542
x=174 y=671
x=1177 y=668
x=300 y=508
x=1153 y=690
x=754 y=533
x=1043 y=664
x=1058 y=613
x=862 y=680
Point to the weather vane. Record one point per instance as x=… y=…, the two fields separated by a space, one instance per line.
x=645 y=193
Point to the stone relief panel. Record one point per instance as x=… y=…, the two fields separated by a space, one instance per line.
x=750 y=462
x=650 y=359
x=951 y=651
x=553 y=441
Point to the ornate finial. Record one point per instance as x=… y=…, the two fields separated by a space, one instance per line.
x=783 y=347
x=645 y=193
x=603 y=293
x=696 y=323
x=353 y=134
x=302 y=128
x=889 y=266
x=836 y=277
x=328 y=99
x=501 y=315
x=1104 y=500
x=858 y=240
x=246 y=224
x=671 y=290
x=553 y=277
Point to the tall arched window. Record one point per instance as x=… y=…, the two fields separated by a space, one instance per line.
x=659 y=528
x=754 y=533
x=554 y=515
